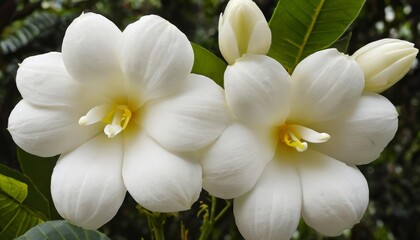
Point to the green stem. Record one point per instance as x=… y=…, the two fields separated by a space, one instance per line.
x=155 y=222
x=210 y=220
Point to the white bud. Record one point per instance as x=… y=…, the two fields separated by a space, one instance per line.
x=243 y=29
x=385 y=62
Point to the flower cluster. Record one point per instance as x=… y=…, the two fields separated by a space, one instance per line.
x=125 y=113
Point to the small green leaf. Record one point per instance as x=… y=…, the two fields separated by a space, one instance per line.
x=35 y=199
x=61 y=230
x=39 y=170
x=208 y=64
x=300 y=27
x=15 y=189
x=15 y=217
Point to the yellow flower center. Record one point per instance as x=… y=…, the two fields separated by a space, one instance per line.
x=297 y=136
x=117 y=120
x=116 y=117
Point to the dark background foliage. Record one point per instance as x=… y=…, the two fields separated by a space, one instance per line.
x=30 y=27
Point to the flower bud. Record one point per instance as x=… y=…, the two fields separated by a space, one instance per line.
x=385 y=62
x=243 y=29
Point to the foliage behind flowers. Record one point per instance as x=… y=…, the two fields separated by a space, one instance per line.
x=392 y=179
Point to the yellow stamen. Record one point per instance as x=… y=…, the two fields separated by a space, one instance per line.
x=292 y=139
x=121 y=116
x=117 y=120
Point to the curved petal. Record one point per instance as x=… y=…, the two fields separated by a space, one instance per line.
x=324 y=85
x=90 y=53
x=156 y=57
x=233 y=164
x=271 y=210
x=360 y=136
x=157 y=179
x=48 y=132
x=335 y=195
x=258 y=90
x=189 y=119
x=260 y=39
x=228 y=43
x=43 y=80
x=86 y=184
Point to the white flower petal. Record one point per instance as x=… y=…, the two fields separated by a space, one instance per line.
x=43 y=80
x=227 y=41
x=361 y=135
x=271 y=210
x=260 y=40
x=90 y=53
x=324 y=85
x=189 y=119
x=86 y=184
x=157 y=179
x=233 y=164
x=335 y=195
x=258 y=90
x=47 y=132
x=156 y=57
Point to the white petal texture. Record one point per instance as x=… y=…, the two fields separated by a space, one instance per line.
x=271 y=210
x=90 y=53
x=189 y=119
x=42 y=78
x=233 y=164
x=258 y=44
x=48 y=132
x=362 y=134
x=335 y=195
x=157 y=179
x=156 y=57
x=228 y=44
x=86 y=185
x=258 y=90
x=324 y=85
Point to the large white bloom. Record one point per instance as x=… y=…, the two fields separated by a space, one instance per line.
x=293 y=149
x=122 y=109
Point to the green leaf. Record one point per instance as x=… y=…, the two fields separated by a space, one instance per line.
x=301 y=27
x=61 y=230
x=15 y=217
x=342 y=44
x=39 y=170
x=208 y=64
x=15 y=189
x=35 y=200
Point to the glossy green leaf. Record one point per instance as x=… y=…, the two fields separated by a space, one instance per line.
x=61 y=230
x=39 y=170
x=35 y=199
x=302 y=27
x=15 y=217
x=208 y=64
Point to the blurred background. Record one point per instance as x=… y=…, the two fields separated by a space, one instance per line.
x=30 y=27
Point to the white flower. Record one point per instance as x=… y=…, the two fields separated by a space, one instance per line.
x=385 y=62
x=293 y=149
x=243 y=29
x=123 y=110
